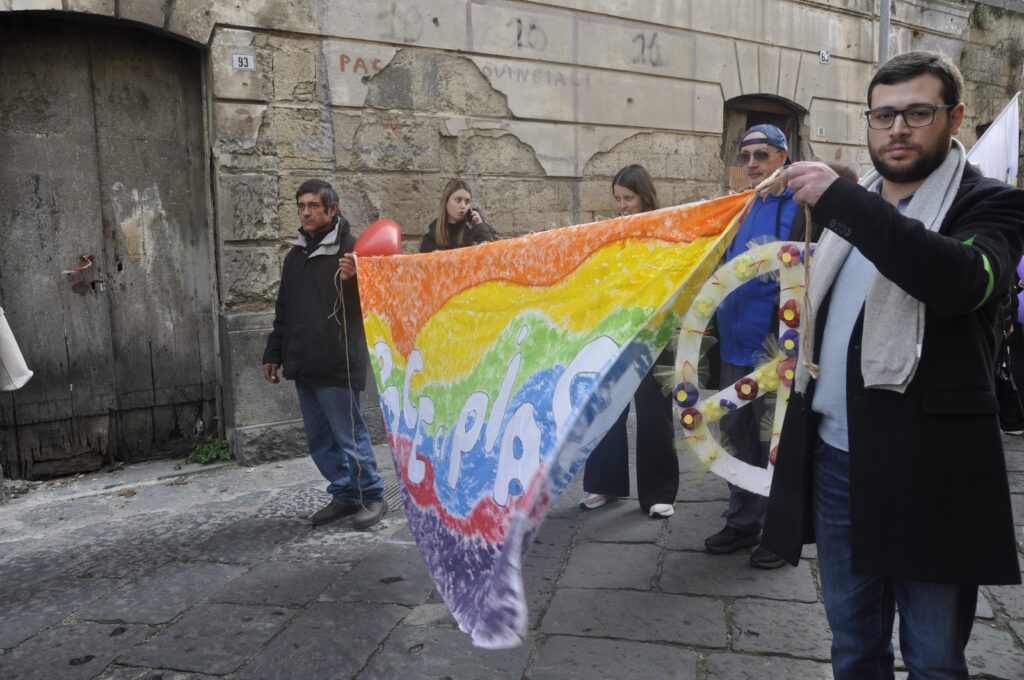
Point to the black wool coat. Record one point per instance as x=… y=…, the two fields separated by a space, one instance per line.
x=929 y=492
x=317 y=339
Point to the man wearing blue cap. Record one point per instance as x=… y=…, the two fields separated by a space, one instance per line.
x=745 y=320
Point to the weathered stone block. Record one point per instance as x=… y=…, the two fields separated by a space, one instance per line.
x=408 y=82
x=300 y=16
x=771 y=627
x=185 y=644
x=423 y=652
x=230 y=80
x=103 y=7
x=392 y=573
x=350 y=66
x=302 y=138
x=438 y=24
x=573 y=658
x=346 y=125
x=161 y=595
x=838 y=80
x=77 y=650
x=595 y=195
x=192 y=19
x=524 y=205
x=754 y=667
x=496 y=153
x=634 y=569
x=687 y=191
x=462 y=88
x=254 y=400
x=620 y=523
x=645 y=617
x=303 y=650
x=994 y=653
x=294 y=69
x=700 y=573
x=18 y=5
x=278 y=584
x=250 y=278
x=836 y=122
x=561 y=93
x=397 y=143
x=410 y=200
x=144 y=11
x=265 y=443
x=247 y=208
x=248 y=541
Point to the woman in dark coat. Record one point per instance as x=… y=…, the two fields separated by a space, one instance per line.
x=606 y=476
x=463 y=225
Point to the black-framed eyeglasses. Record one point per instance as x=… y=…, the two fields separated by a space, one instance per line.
x=761 y=155
x=917 y=116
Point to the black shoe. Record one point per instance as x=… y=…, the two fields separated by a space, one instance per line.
x=369 y=514
x=331 y=512
x=729 y=540
x=762 y=558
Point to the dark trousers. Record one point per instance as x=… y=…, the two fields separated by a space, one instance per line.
x=1009 y=378
x=657 y=467
x=742 y=428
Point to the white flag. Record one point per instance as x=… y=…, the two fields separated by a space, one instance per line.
x=996 y=153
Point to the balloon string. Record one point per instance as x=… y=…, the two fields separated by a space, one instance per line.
x=351 y=398
x=805 y=339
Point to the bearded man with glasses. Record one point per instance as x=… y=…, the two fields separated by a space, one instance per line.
x=744 y=321
x=891 y=457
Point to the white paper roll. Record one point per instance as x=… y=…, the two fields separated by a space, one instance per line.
x=13 y=371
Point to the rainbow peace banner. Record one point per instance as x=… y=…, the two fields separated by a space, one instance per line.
x=501 y=366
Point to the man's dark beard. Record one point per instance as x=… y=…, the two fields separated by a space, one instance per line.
x=920 y=169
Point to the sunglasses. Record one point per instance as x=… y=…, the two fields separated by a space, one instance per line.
x=743 y=157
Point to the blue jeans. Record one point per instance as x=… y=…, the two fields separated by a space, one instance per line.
x=935 y=618
x=339 y=443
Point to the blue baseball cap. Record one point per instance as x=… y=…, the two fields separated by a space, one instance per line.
x=773 y=137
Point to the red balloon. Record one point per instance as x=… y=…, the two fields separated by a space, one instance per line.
x=383 y=237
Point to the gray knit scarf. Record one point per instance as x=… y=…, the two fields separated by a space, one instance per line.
x=893 y=320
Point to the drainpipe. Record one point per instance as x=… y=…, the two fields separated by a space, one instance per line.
x=884 y=9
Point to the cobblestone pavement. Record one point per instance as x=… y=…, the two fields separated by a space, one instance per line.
x=149 y=572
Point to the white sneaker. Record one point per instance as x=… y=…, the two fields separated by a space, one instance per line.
x=593 y=501
x=662 y=511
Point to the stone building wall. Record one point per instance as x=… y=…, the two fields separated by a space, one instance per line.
x=537 y=104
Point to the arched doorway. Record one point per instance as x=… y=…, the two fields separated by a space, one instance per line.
x=743 y=112
x=107 y=276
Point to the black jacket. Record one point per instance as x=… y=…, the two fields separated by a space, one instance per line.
x=481 y=233
x=312 y=339
x=929 y=492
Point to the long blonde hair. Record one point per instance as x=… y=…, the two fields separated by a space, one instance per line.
x=442 y=234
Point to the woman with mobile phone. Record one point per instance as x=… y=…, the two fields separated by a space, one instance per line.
x=457 y=224
x=606 y=475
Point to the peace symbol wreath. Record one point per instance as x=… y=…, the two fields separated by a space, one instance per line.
x=698 y=406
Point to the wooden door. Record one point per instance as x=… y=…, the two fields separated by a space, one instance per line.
x=102 y=142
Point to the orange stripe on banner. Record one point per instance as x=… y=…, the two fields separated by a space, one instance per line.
x=389 y=286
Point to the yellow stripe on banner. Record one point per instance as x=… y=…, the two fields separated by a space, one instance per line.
x=637 y=274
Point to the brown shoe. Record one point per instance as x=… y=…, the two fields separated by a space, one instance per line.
x=369 y=514
x=331 y=512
